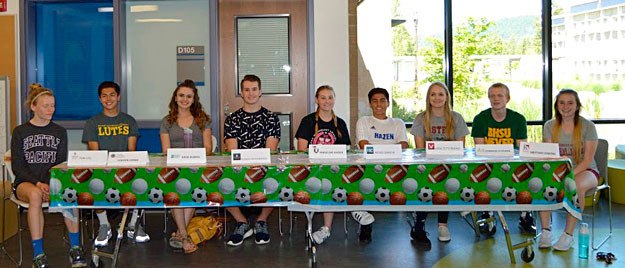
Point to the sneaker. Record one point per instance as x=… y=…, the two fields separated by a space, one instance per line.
x=527 y=224
x=545 y=239
x=262 y=234
x=489 y=227
x=420 y=236
x=139 y=235
x=321 y=235
x=41 y=261
x=104 y=234
x=363 y=217
x=365 y=233
x=443 y=233
x=564 y=243
x=76 y=258
x=241 y=232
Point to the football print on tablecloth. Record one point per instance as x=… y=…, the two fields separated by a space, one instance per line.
x=124 y=175
x=439 y=173
x=211 y=174
x=353 y=173
x=81 y=175
x=167 y=175
x=198 y=195
x=508 y=194
x=396 y=173
x=299 y=173
x=255 y=174
x=523 y=172
x=481 y=172
x=561 y=171
x=382 y=194
x=242 y=195
x=112 y=195
x=425 y=194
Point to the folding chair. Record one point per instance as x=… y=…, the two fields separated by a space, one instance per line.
x=601 y=158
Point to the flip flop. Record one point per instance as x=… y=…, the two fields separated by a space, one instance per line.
x=188 y=249
x=175 y=242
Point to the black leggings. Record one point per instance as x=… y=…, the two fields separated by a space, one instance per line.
x=443 y=216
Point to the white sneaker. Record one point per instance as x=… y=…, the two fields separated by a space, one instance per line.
x=443 y=233
x=545 y=239
x=564 y=243
x=321 y=235
x=104 y=234
x=363 y=217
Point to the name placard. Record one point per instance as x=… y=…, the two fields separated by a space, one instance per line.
x=531 y=149
x=177 y=156
x=382 y=151
x=251 y=156
x=139 y=158
x=494 y=150
x=333 y=151
x=87 y=158
x=445 y=148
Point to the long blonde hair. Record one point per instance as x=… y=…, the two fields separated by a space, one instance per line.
x=577 y=130
x=334 y=118
x=427 y=114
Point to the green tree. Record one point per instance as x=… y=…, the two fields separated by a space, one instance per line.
x=472 y=38
x=403 y=43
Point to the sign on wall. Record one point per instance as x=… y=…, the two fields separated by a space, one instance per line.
x=190 y=64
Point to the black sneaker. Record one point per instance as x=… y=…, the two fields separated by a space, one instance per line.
x=527 y=224
x=262 y=234
x=241 y=231
x=365 y=233
x=420 y=236
x=40 y=261
x=488 y=228
x=76 y=258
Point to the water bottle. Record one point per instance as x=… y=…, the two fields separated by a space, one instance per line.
x=188 y=138
x=583 y=239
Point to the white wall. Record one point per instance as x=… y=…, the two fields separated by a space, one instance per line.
x=332 y=51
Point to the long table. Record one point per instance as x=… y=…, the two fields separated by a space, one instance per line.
x=413 y=183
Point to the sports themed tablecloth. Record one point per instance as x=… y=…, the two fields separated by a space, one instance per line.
x=414 y=182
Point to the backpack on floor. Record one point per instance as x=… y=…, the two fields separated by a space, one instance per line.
x=201 y=229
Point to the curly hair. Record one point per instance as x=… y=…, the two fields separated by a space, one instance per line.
x=199 y=115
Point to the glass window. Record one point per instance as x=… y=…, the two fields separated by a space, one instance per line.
x=497 y=41
x=166 y=42
x=74 y=43
x=600 y=84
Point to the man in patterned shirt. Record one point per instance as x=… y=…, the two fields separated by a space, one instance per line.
x=252 y=126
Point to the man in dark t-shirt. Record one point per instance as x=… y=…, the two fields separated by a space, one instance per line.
x=252 y=126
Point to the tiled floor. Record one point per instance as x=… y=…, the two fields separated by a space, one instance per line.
x=391 y=246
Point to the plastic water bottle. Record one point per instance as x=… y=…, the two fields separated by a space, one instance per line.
x=188 y=138
x=583 y=239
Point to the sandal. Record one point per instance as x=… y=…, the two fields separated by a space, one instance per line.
x=175 y=241
x=188 y=245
